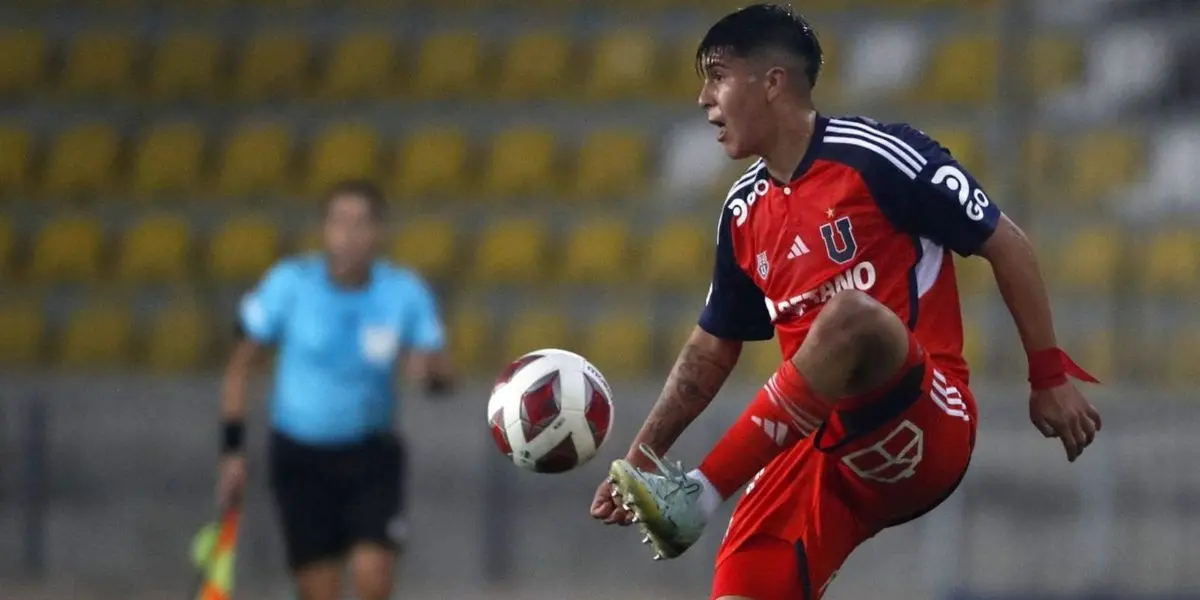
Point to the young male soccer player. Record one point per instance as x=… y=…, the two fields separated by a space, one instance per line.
x=839 y=240
x=342 y=320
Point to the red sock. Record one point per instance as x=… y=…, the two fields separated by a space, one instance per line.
x=783 y=412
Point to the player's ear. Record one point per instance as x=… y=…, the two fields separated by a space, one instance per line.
x=775 y=81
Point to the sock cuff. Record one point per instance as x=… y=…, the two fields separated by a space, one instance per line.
x=710 y=497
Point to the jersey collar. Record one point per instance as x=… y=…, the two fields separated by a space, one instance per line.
x=810 y=155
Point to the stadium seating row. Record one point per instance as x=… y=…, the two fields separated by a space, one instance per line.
x=262 y=158
x=180 y=158
x=164 y=249
x=285 y=64
x=185 y=336
x=593 y=251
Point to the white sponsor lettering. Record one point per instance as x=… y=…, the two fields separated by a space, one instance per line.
x=860 y=277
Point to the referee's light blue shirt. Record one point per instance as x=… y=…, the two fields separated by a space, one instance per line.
x=335 y=376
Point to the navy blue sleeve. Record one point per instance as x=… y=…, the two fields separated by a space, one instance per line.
x=920 y=186
x=735 y=308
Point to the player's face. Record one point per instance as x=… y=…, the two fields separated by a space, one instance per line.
x=734 y=99
x=351 y=230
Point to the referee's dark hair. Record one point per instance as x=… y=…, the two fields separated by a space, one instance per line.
x=359 y=188
x=760 y=28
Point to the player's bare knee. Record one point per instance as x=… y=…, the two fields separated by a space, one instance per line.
x=865 y=327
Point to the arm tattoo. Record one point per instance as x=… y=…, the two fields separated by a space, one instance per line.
x=695 y=379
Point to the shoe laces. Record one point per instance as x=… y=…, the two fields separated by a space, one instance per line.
x=672 y=472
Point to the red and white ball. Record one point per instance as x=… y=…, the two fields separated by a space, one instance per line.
x=550 y=411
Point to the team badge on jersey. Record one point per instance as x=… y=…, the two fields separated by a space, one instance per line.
x=764 y=266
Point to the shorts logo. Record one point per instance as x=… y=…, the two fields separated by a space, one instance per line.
x=895 y=458
x=379 y=344
x=764 y=267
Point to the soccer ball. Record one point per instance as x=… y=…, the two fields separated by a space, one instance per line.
x=550 y=411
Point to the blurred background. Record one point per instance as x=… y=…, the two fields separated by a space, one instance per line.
x=552 y=177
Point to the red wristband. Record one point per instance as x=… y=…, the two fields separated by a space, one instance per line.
x=1050 y=368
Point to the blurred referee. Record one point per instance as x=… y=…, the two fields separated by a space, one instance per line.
x=343 y=320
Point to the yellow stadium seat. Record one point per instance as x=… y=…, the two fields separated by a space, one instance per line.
x=1102 y=161
x=82 y=160
x=1089 y=259
x=67 y=249
x=1043 y=167
x=680 y=255
x=179 y=339
x=97 y=336
x=256 y=159
x=169 y=159
x=512 y=251
x=760 y=360
x=185 y=66
x=24 y=63
x=274 y=65
x=447 y=65
x=522 y=161
x=360 y=67
x=965 y=146
x=962 y=71
x=99 y=62
x=535 y=328
x=1053 y=64
x=1177 y=366
x=619 y=344
x=622 y=65
x=611 y=163
x=343 y=151
x=155 y=249
x=469 y=338
x=974 y=276
x=243 y=249
x=536 y=64
x=427 y=245
x=1172 y=261
x=673 y=339
x=597 y=252
x=431 y=162
x=8 y=243
x=15 y=152
x=22 y=327
x=680 y=83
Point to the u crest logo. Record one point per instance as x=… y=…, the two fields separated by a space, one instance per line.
x=840 y=245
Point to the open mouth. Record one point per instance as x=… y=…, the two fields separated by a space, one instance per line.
x=720 y=125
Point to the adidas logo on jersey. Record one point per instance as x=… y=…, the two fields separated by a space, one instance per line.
x=798 y=248
x=775 y=431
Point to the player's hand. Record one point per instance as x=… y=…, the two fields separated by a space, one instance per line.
x=1064 y=413
x=607 y=508
x=231 y=480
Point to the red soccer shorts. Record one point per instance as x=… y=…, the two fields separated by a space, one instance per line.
x=879 y=461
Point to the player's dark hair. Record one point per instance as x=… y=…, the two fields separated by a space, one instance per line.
x=758 y=28
x=358 y=188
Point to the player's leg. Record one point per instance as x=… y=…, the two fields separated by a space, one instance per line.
x=374 y=518
x=855 y=345
x=307 y=503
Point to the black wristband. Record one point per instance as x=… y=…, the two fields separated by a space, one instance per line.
x=233 y=435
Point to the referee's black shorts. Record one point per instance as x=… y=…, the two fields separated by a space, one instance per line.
x=332 y=498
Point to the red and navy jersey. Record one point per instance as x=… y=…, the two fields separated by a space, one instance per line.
x=873 y=207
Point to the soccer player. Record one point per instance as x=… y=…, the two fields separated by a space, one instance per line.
x=838 y=239
x=342 y=321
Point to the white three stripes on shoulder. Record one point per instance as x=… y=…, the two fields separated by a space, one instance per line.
x=895 y=150
x=747 y=178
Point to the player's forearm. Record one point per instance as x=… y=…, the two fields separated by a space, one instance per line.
x=1019 y=278
x=701 y=369
x=236 y=380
